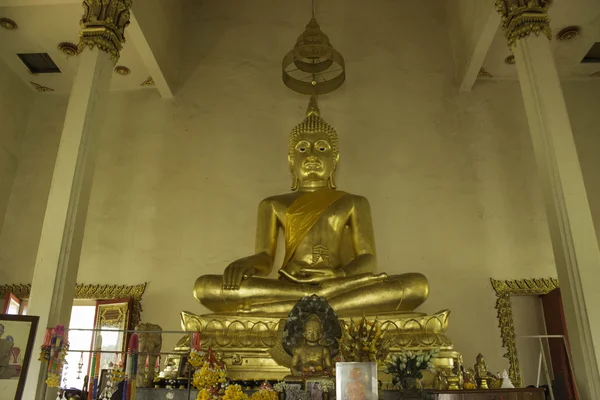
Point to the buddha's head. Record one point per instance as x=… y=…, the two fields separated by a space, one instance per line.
x=313 y=151
x=312 y=329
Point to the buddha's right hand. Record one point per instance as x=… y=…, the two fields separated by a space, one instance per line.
x=236 y=272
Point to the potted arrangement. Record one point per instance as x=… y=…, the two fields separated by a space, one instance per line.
x=326 y=386
x=280 y=388
x=406 y=367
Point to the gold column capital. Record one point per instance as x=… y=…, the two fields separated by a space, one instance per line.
x=520 y=18
x=103 y=25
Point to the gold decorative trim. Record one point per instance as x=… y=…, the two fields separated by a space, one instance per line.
x=148 y=82
x=522 y=18
x=103 y=25
x=568 y=33
x=510 y=60
x=484 y=74
x=93 y=292
x=41 y=88
x=8 y=23
x=122 y=70
x=504 y=290
x=69 y=49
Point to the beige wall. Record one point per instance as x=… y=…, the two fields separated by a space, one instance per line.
x=451 y=177
x=25 y=213
x=14 y=110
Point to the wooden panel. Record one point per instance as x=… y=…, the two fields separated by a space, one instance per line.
x=564 y=382
x=500 y=394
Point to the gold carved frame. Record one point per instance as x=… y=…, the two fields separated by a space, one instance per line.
x=93 y=292
x=504 y=290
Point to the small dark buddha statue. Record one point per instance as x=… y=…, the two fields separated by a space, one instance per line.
x=311 y=358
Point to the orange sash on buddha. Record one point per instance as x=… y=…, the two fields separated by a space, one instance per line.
x=303 y=214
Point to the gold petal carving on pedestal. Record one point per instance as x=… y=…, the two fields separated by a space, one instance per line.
x=484 y=74
x=522 y=18
x=41 y=88
x=510 y=60
x=504 y=290
x=401 y=330
x=93 y=292
x=103 y=25
x=148 y=82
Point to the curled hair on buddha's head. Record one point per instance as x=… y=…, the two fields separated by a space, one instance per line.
x=313 y=123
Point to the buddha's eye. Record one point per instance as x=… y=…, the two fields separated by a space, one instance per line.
x=302 y=147
x=322 y=146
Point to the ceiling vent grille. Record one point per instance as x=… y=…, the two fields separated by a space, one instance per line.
x=593 y=56
x=39 y=63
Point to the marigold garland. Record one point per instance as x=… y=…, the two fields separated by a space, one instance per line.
x=264 y=395
x=197 y=358
x=208 y=376
x=234 y=392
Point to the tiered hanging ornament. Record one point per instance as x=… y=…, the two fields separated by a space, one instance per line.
x=54 y=350
x=313 y=66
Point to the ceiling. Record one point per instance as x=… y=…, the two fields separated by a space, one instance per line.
x=568 y=54
x=41 y=29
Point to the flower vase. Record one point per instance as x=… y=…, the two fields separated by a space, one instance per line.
x=281 y=395
x=325 y=395
x=409 y=383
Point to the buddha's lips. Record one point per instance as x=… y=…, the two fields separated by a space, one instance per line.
x=312 y=165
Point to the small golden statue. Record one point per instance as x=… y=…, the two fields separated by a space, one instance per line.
x=314 y=218
x=311 y=358
x=481 y=372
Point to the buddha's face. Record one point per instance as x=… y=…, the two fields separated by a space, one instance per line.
x=312 y=332
x=313 y=158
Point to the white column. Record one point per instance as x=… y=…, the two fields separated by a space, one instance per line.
x=57 y=261
x=574 y=239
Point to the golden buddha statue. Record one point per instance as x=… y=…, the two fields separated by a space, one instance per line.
x=249 y=309
x=314 y=218
x=311 y=357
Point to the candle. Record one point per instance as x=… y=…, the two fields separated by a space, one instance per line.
x=147 y=361
x=196 y=345
x=157 y=365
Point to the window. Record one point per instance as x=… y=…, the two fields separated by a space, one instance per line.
x=82 y=317
x=87 y=315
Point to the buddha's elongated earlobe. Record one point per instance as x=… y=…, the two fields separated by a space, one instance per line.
x=295 y=182
x=331 y=182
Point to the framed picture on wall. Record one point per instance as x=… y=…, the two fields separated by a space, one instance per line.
x=17 y=333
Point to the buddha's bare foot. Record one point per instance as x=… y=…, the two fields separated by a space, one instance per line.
x=244 y=309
